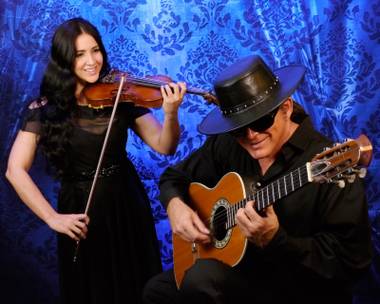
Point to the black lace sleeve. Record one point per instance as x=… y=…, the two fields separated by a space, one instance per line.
x=137 y=111
x=32 y=116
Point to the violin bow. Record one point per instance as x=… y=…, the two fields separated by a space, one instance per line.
x=100 y=161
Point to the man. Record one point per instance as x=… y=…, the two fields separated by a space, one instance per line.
x=309 y=247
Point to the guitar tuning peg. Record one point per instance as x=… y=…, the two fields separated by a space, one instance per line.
x=362 y=172
x=341 y=183
x=350 y=177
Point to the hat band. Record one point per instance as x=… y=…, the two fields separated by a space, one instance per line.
x=255 y=100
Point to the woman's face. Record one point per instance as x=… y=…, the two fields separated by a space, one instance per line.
x=88 y=60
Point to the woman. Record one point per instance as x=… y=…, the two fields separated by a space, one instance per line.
x=118 y=249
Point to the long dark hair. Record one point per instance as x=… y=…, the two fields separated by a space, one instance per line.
x=59 y=85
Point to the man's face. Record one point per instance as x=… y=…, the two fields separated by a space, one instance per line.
x=265 y=145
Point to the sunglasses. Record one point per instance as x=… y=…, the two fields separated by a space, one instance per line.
x=259 y=125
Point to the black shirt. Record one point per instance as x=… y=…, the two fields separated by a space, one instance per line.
x=323 y=243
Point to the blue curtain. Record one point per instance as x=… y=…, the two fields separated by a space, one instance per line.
x=190 y=40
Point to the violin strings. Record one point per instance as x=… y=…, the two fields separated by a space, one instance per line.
x=159 y=83
x=147 y=81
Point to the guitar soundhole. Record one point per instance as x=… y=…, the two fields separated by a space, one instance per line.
x=219 y=223
x=221 y=233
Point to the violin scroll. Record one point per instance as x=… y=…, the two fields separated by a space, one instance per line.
x=210 y=98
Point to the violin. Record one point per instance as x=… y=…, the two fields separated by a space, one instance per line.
x=142 y=91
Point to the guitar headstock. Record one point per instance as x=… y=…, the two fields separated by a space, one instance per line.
x=341 y=162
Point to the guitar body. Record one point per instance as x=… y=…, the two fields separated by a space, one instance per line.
x=228 y=245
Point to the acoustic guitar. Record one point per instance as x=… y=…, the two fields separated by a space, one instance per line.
x=217 y=206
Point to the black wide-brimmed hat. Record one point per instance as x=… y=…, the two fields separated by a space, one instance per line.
x=246 y=91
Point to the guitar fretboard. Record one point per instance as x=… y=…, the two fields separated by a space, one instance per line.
x=270 y=193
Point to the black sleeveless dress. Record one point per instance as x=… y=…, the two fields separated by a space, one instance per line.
x=121 y=251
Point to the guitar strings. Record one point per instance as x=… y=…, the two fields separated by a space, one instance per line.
x=220 y=218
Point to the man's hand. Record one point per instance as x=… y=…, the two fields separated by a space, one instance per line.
x=259 y=229
x=186 y=223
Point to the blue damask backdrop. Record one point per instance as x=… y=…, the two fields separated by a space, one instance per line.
x=190 y=40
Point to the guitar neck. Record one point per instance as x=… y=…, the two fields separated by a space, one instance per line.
x=273 y=192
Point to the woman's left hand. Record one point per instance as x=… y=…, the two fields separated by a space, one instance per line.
x=172 y=94
x=163 y=138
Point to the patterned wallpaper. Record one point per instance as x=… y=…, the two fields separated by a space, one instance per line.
x=190 y=40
